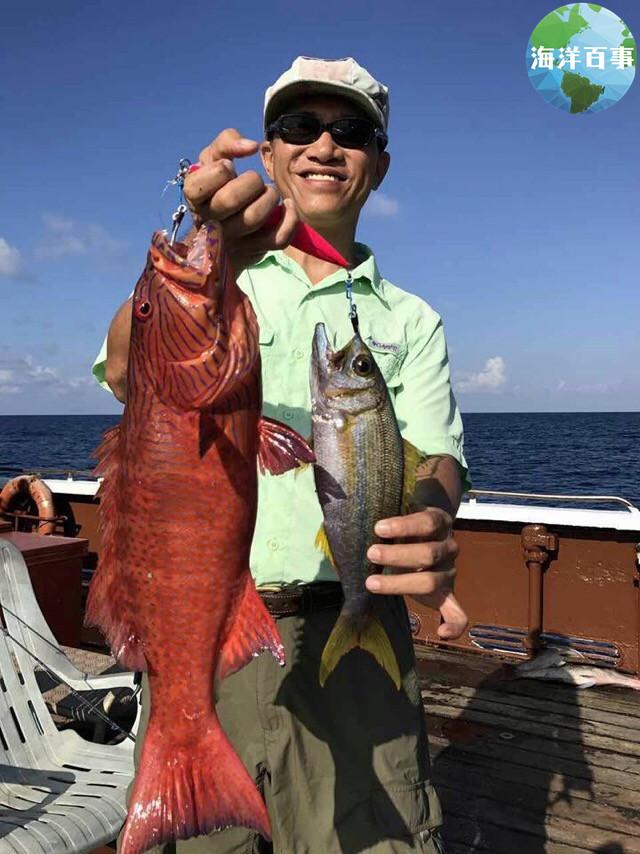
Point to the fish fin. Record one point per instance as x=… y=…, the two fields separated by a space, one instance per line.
x=376 y=641
x=107 y=452
x=322 y=543
x=370 y=635
x=106 y=610
x=280 y=448
x=208 y=431
x=189 y=789
x=413 y=458
x=304 y=466
x=250 y=631
x=108 y=606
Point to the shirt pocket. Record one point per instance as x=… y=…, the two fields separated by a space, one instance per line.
x=388 y=355
x=266 y=337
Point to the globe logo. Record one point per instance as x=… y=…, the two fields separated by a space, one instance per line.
x=581 y=58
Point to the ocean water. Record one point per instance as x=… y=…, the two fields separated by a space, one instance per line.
x=567 y=452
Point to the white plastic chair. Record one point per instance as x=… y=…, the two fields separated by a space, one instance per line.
x=58 y=792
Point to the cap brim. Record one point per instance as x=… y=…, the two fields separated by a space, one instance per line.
x=316 y=87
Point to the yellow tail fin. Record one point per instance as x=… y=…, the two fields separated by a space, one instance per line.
x=349 y=633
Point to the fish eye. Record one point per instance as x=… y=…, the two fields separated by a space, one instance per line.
x=143 y=309
x=362 y=365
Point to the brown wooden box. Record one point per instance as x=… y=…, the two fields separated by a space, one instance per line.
x=55 y=568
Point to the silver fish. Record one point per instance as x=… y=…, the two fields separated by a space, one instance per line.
x=552 y=664
x=360 y=479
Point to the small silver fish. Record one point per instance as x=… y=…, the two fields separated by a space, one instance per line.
x=552 y=664
x=362 y=470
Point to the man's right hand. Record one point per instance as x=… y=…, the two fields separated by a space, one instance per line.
x=240 y=203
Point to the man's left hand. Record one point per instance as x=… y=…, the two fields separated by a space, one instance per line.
x=423 y=566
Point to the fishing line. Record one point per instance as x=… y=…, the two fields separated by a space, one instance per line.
x=56 y=676
x=181 y=211
x=353 y=308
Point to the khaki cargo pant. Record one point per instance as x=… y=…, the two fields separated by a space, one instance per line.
x=343 y=769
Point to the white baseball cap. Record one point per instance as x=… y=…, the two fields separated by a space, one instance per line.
x=333 y=76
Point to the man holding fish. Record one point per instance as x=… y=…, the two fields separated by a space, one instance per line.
x=343 y=765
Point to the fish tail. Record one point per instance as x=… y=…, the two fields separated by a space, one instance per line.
x=180 y=792
x=368 y=634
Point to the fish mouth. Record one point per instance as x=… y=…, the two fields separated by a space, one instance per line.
x=336 y=391
x=321 y=350
x=188 y=267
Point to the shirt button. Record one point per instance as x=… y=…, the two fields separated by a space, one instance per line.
x=273 y=544
x=288 y=414
x=298 y=354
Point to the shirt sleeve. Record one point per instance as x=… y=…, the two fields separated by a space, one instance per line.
x=99 y=365
x=425 y=405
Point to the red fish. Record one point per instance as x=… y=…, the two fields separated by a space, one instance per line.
x=173 y=592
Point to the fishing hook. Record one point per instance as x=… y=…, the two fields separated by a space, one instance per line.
x=180 y=212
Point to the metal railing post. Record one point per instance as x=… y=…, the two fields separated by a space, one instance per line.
x=537 y=546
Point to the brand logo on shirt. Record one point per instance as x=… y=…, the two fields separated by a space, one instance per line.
x=381 y=345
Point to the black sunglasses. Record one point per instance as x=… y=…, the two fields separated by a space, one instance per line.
x=305 y=128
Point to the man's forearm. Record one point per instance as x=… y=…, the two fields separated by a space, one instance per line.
x=118 y=351
x=438 y=484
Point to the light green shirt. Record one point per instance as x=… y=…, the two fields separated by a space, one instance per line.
x=407 y=339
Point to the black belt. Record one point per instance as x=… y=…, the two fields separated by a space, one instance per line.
x=297 y=599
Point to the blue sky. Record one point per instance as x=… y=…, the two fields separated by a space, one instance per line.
x=516 y=221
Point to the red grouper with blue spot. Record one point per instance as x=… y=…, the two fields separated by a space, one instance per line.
x=173 y=592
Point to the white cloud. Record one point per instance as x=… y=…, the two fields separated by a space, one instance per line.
x=68 y=237
x=490 y=379
x=587 y=388
x=11 y=264
x=21 y=374
x=598 y=388
x=382 y=205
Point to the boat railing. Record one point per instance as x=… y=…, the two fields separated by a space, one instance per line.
x=71 y=475
x=474 y=494
x=64 y=473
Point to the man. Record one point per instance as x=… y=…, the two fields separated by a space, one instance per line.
x=343 y=768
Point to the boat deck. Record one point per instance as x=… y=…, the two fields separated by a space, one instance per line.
x=528 y=766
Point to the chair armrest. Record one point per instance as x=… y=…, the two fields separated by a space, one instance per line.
x=108 y=680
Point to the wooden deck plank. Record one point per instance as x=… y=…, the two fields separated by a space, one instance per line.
x=616 y=700
x=552 y=781
x=572 y=714
x=540 y=751
x=447 y=709
x=464 y=835
x=490 y=813
x=550 y=848
x=521 y=795
x=563 y=727
x=533 y=763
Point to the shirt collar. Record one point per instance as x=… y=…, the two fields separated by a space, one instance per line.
x=366 y=269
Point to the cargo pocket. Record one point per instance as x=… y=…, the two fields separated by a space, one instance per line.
x=406 y=809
